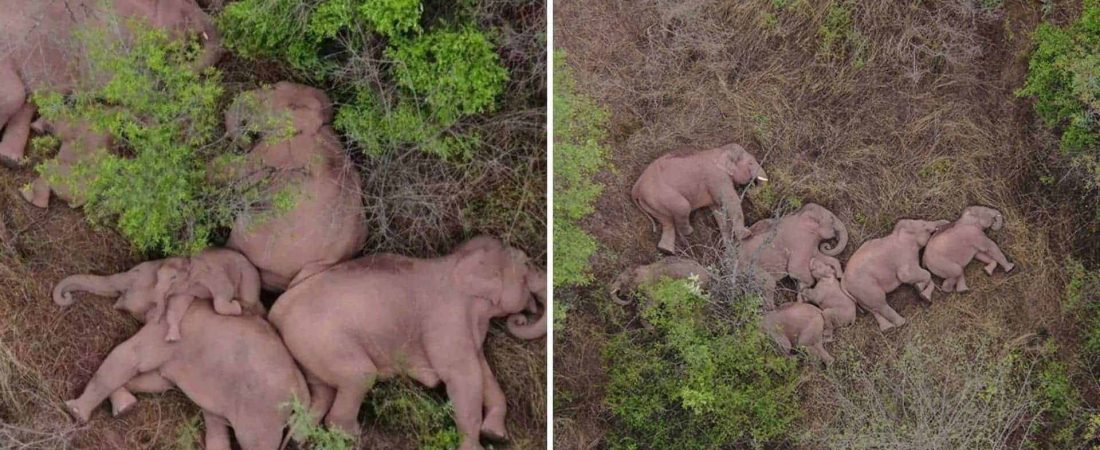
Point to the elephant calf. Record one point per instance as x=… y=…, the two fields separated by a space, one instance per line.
x=671 y=267
x=170 y=285
x=837 y=306
x=674 y=185
x=79 y=144
x=235 y=368
x=950 y=250
x=380 y=316
x=881 y=265
x=798 y=324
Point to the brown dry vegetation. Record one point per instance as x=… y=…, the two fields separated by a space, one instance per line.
x=416 y=205
x=910 y=114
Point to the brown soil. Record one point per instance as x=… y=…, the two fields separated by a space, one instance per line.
x=916 y=118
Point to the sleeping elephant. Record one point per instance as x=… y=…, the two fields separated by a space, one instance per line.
x=674 y=185
x=79 y=144
x=384 y=315
x=881 y=265
x=797 y=324
x=950 y=250
x=40 y=53
x=326 y=224
x=838 y=308
x=671 y=267
x=784 y=247
x=170 y=285
x=216 y=359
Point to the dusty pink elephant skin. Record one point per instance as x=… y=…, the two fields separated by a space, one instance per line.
x=383 y=315
x=882 y=265
x=838 y=308
x=949 y=251
x=671 y=267
x=327 y=224
x=674 y=185
x=797 y=324
x=45 y=56
x=216 y=356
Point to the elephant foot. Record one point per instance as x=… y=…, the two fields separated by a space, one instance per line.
x=1008 y=267
x=926 y=292
x=686 y=230
x=74 y=410
x=123 y=404
x=666 y=249
x=34 y=197
x=494 y=433
x=349 y=427
x=172 y=336
x=885 y=326
x=742 y=234
x=989 y=268
x=232 y=308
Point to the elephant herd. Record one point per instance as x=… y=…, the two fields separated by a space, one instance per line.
x=795 y=246
x=340 y=324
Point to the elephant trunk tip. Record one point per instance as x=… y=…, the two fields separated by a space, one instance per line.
x=62 y=297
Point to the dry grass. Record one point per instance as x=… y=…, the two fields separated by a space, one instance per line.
x=914 y=117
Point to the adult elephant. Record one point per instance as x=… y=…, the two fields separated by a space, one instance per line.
x=881 y=265
x=303 y=157
x=384 y=315
x=784 y=247
x=674 y=185
x=40 y=53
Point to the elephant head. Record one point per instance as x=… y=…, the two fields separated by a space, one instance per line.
x=624 y=280
x=135 y=288
x=277 y=111
x=171 y=275
x=488 y=269
x=822 y=268
x=920 y=230
x=741 y=166
x=984 y=217
x=828 y=226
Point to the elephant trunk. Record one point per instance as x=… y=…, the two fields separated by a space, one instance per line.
x=518 y=324
x=613 y=292
x=104 y=286
x=841 y=238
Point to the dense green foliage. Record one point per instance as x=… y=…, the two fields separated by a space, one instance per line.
x=420 y=87
x=578 y=156
x=315 y=437
x=164 y=114
x=694 y=381
x=404 y=406
x=1082 y=300
x=1064 y=78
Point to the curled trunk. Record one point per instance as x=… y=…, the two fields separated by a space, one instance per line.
x=518 y=324
x=104 y=286
x=613 y=292
x=841 y=238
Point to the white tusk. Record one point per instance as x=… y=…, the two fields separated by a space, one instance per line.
x=762 y=178
x=205 y=37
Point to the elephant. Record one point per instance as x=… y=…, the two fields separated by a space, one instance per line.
x=171 y=284
x=674 y=185
x=797 y=324
x=327 y=223
x=882 y=265
x=382 y=315
x=838 y=308
x=784 y=247
x=949 y=251
x=668 y=267
x=235 y=368
x=41 y=50
x=79 y=144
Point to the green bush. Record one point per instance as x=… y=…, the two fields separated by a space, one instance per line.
x=1082 y=300
x=315 y=437
x=578 y=129
x=1064 y=79
x=164 y=113
x=430 y=79
x=696 y=381
x=403 y=406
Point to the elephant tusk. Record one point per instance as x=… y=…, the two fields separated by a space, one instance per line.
x=762 y=178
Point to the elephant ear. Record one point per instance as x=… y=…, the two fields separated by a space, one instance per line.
x=478 y=274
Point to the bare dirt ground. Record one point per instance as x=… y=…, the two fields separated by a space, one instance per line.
x=910 y=113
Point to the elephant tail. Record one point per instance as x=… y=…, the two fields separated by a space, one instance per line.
x=648 y=213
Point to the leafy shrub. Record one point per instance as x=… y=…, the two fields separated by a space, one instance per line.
x=164 y=113
x=697 y=382
x=315 y=437
x=403 y=406
x=1082 y=300
x=839 y=37
x=578 y=156
x=1064 y=78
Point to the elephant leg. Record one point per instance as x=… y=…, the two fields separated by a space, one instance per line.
x=991 y=249
x=463 y=376
x=177 y=307
x=949 y=284
x=496 y=406
x=990 y=264
x=321 y=397
x=123 y=400
x=351 y=388
x=217 y=431
x=819 y=350
x=38 y=193
x=886 y=317
x=141 y=353
x=13 y=99
x=668 y=236
x=918 y=277
x=16 y=133
x=960 y=285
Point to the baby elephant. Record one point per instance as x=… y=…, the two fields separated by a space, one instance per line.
x=79 y=145
x=170 y=285
x=950 y=250
x=798 y=324
x=671 y=267
x=837 y=306
x=673 y=186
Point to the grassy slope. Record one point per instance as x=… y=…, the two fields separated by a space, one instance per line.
x=912 y=114
x=416 y=206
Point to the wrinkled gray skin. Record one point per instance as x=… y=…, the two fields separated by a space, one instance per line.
x=327 y=223
x=674 y=185
x=235 y=368
x=950 y=250
x=384 y=315
x=171 y=284
x=784 y=247
x=881 y=265
x=38 y=52
x=838 y=308
x=797 y=324
x=79 y=144
x=671 y=267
